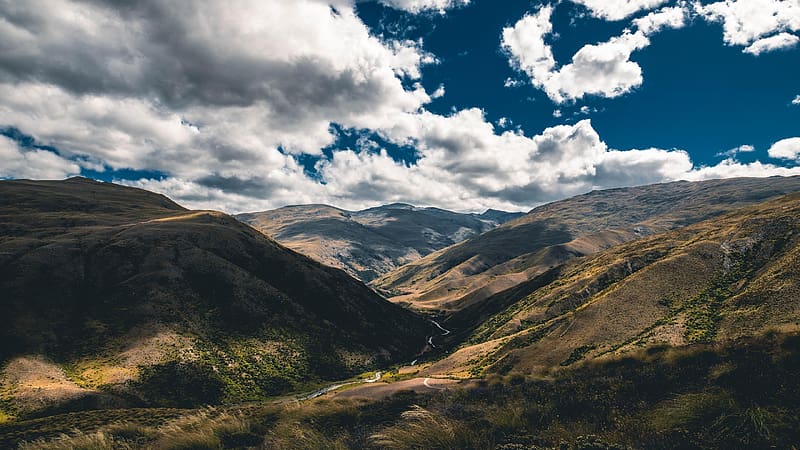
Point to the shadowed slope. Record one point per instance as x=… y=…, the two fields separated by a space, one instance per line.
x=126 y=292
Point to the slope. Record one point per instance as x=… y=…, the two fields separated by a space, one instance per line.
x=716 y=281
x=113 y=294
x=374 y=241
x=520 y=250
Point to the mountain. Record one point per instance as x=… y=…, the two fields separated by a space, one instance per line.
x=684 y=338
x=374 y=241
x=733 y=276
x=520 y=250
x=118 y=296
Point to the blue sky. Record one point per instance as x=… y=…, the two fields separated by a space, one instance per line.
x=698 y=94
x=464 y=105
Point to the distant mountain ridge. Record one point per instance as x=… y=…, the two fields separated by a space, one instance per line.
x=516 y=252
x=373 y=241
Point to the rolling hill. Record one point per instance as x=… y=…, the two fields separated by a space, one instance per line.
x=373 y=241
x=117 y=296
x=519 y=251
x=717 y=281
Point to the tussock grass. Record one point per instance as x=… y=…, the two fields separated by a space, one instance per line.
x=742 y=395
x=420 y=428
x=204 y=429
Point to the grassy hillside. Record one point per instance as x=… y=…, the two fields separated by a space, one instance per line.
x=716 y=281
x=520 y=250
x=374 y=241
x=114 y=296
x=703 y=397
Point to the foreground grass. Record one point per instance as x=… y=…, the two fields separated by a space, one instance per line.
x=743 y=395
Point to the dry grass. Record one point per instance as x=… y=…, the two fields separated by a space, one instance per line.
x=204 y=429
x=420 y=428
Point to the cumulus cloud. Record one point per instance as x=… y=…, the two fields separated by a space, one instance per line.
x=796 y=100
x=618 y=9
x=314 y=66
x=222 y=98
x=602 y=69
x=759 y=25
x=33 y=163
x=785 y=149
x=525 y=43
x=187 y=89
x=781 y=41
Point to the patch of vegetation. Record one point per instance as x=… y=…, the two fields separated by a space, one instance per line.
x=670 y=398
x=703 y=314
x=578 y=354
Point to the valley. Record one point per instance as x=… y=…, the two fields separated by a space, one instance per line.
x=640 y=317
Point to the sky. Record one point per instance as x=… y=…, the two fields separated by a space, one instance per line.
x=459 y=104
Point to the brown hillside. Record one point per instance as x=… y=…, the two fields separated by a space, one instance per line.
x=735 y=275
x=520 y=250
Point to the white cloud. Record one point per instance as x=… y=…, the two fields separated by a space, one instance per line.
x=557 y=113
x=602 y=69
x=618 y=9
x=785 y=149
x=417 y=6
x=781 y=41
x=746 y=148
x=16 y=162
x=223 y=109
x=796 y=100
x=666 y=18
x=746 y=22
x=512 y=83
x=525 y=43
x=439 y=92
x=730 y=168
x=297 y=74
x=463 y=165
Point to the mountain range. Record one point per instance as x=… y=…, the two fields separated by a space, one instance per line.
x=371 y=242
x=550 y=235
x=655 y=316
